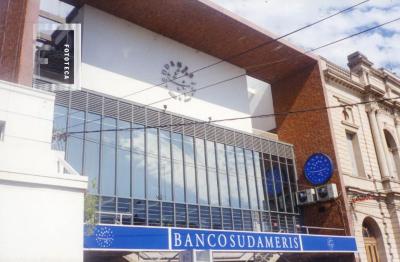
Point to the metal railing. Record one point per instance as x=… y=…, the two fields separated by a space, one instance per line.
x=120 y=219
x=308 y=228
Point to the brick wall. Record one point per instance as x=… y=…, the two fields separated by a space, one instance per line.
x=17 y=19
x=309 y=133
x=12 y=17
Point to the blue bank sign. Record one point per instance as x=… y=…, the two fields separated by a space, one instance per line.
x=161 y=238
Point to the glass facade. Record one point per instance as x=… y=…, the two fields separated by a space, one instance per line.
x=198 y=176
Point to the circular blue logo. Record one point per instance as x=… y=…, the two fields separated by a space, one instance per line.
x=318 y=169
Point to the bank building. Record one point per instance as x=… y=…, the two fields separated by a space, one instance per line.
x=129 y=132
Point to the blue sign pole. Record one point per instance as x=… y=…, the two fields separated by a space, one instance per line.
x=132 y=238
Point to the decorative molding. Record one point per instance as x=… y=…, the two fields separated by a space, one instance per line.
x=352 y=127
x=343 y=80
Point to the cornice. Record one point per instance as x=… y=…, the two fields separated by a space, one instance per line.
x=343 y=80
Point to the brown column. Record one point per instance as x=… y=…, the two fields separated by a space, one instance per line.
x=16 y=39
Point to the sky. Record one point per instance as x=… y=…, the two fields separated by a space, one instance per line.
x=381 y=46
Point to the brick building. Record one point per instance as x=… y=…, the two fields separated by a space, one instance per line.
x=125 y=50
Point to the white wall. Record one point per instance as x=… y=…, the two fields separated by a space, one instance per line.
x=120 y=58
x=41 y=209
x=260 y=103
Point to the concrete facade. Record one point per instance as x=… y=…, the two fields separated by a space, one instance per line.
x=41 y=207
x=366 y=138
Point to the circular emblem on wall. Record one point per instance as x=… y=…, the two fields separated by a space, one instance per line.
x=178 y=80
x=318 y=169
x=104 y=236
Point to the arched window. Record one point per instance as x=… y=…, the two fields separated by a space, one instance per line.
x=394 y=157
x=373 y=241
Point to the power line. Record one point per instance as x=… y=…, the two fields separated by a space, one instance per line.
x=234 y=118
x=249 y=50
x=281 y=60
x=227 y=59
x=262 y=66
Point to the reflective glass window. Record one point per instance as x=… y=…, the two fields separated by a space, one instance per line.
x=91 y=166
x=201 y=171
x=293 y=185
x=193 y=215
x=168 y=214
x=124 y=159
x=59 y=127
x=271 y=174
x=227 y=218
x=247 y=220
x=216 y=218
x=237 y=219
x=108 y=152
x=139 y=212
x=286 y=188
x=152 y=164
x=241 y=171
x=256 y=221
x=154 y=213
x=180 y=215
x=165 y=166
x=138 y=162
x=222 y=175
x=124 y=208
x=205 y=218
x=177 y=156
x=266 y=222
x=260 y=181
x=190 y=173
x=251 y=179
x=107 y=210
x=233 y=179
x=212 y=173
x=74 y=153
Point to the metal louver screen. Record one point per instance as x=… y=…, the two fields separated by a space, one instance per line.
x=210 y=132
x=176 y=127
x=257 y=144
x=139 y=116
x=95 y=104
x=265 y=147
x=165 y=120
x=188 y=127
x=200 y=131
x=125 y=111
x=106 y=106
x=281 y=150
x=152 y=118
x=230 y=137
x=78 y=100
x=239 y=139
x=110 y=107
x=273 y=148
x=248 y=142
x=219 y=135
x=62 y=98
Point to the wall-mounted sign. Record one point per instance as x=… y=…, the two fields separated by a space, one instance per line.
x=318 y=169
x=178 y=80
x=132 y=238
x=57 y=57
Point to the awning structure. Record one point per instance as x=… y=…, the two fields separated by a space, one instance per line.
x=138 y=238
x=211 y=29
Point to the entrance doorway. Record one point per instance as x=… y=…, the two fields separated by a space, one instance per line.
x=371 y=240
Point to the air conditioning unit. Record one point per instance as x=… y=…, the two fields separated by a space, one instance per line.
x=305 y=197
x=326 y=192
